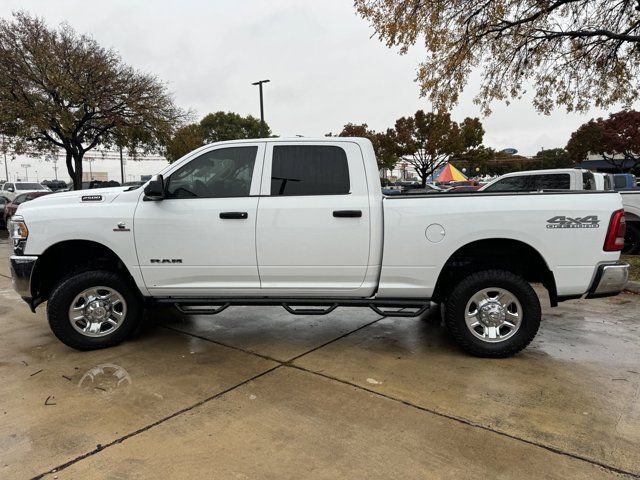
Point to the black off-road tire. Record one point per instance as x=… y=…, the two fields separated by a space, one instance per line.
x=457 y=302
x=64 y=294
x=632 y=239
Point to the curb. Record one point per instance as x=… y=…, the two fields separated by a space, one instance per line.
x=633 y=287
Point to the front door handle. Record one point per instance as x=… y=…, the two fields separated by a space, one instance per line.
x=347 y=213
x=234 y=215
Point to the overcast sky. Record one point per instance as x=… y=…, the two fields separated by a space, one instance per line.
x=324 y=68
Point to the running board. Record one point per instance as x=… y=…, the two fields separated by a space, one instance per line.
x=317 y=306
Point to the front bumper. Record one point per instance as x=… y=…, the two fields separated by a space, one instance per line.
x=609 y=280
x=21 y=271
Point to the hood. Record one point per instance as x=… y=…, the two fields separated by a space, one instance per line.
x=90 y=197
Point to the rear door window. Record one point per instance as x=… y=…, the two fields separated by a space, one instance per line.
x=309 y=170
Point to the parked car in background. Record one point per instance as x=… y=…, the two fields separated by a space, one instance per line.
x=11 y=206
x=465 y=189
x=575 y=179
x=55 y=185
x=93 y=184
x=538 y=180
x=3 y=203
x=625 y=181
x=463 y=183
x=12 y=189
x=134 y=183
x=631 y=204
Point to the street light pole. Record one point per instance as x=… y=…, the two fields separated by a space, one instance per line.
x=26 y=171
x=121 y=166
x=262 y=125
x=6 y=166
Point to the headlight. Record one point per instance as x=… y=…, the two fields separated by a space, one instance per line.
x=17 y=228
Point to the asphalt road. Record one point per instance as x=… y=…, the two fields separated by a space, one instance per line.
x=256 y=393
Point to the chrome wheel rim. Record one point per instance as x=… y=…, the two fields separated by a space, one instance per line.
x=493 y=315
x=97 y=311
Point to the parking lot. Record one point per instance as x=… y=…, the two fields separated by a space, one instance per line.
x=257 y=393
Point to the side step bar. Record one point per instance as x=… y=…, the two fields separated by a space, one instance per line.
x=318 y=306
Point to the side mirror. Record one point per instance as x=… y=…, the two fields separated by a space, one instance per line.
x=154 y=191
x=11 y=189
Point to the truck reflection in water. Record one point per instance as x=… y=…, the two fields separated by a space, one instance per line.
x=105 y=377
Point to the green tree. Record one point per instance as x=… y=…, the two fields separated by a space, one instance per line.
x=60 y=89
x=185 y=140
x=615 y=140
x=387 y=150
x=221 y=126
x=385 y=144
x=428 y=140
x=575 y=54
x=553 y=158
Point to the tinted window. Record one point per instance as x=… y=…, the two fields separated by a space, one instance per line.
x=29 y=186
x=20 y=199
x=7 y=186
x=620 y=181
x=225 y=172
x=522 y=183
x=31 y=196
x=554 y=181
x=588 y=181
x=309 y=170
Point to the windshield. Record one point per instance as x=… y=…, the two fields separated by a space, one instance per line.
x=29 y=186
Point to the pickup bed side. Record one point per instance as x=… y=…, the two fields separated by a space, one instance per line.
x=424 y=235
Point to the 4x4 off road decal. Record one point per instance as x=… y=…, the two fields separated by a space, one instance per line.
x=590 y=221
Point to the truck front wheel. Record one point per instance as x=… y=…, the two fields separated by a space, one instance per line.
x=493 y=313
x=95 y=309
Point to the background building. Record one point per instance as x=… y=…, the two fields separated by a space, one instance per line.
x=98 y=165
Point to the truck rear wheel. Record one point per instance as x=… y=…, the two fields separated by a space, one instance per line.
x=95 y=309
x=493 y=313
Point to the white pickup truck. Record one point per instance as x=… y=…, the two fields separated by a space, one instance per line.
x=302 y=223
x=575 y=179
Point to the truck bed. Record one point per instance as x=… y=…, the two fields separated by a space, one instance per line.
x=423 y=232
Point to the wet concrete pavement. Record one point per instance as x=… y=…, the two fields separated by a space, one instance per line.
x=256 y=393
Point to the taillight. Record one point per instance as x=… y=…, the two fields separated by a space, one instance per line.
x=617 y=230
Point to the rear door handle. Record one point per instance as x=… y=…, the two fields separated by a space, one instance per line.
x=234 y=215
x=347 y=213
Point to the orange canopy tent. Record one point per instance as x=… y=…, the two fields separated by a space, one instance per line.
x=449 y=173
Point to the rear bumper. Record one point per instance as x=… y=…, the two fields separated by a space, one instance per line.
x=609 y=280
x=21 y=271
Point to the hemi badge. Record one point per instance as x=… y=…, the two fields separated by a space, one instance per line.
x=92 y=198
